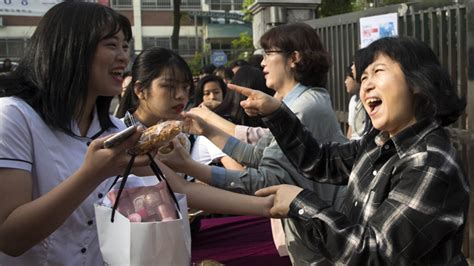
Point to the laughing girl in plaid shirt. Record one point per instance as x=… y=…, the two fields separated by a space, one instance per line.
x=408 y=195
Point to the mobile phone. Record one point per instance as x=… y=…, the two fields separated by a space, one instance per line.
x=119 y=137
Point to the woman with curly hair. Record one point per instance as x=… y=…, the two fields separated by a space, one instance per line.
x=295 y=66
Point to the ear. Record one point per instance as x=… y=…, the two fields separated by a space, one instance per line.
x=295 y=58
x=139 y=91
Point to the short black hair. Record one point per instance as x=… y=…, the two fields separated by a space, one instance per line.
x=208 y=69
x=255 y=60
x=313 y=68
x=238 y=63
x=348 y=72
x=226 y=71
x=433 y=89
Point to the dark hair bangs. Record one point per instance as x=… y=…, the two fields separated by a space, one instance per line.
x=271 y=39
x=116 y=23
x=178 y=71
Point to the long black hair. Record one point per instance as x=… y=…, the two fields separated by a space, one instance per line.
x=54 y=73
x=434 y=92
x=149 y=65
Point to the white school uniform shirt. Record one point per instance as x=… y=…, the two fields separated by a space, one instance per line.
x=356 y=117
x=51 y=156
x=204 y=151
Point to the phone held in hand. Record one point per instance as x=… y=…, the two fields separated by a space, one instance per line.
x=119 y=137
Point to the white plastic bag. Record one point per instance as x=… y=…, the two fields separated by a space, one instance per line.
x=145 y=243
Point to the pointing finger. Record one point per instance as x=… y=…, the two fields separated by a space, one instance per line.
x=242 y=90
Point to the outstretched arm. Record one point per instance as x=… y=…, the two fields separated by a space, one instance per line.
x=216 y=200
x=398 y=232
x=214 y=119
x=180 y=161
x=25 y=221
x=194 y=123
x=327 y=163
x=257 y=102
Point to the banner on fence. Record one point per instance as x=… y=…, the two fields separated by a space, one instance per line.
x=376 y=27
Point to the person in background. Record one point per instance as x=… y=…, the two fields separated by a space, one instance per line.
x=255 y=60
x=210 y=91
x=206 y=152
x=207 y=70
x=115 y=105
x=161 y=82
x=295 y=67
x=225 y=73
x=408 y=194
x=7 y=65
x=356 y=115
x=230 y=108
x=235 y=65
x=230 y=117
x=127 y=79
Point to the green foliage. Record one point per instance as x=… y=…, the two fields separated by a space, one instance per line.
x=244 y=44
x=364 y=4
x=334 y=7
x=245 y=8
x=196 y=63
x=391 y=2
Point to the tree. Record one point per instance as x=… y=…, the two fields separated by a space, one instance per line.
x=245 y=8
x=334 y=7
x=176 y=24
x=244 y=44
x=364 y=4
x=196 y=63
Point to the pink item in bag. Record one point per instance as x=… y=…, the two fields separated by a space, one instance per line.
x=145 y=204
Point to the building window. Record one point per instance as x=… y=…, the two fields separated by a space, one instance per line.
x=187 y=45
x=12 y=48
x=157 y=4
x=191 y=4
x=226 y=5
x=119 y=4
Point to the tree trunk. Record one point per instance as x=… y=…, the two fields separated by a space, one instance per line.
x=176 y=25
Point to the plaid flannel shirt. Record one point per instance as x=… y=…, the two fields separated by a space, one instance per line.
x=407 y=198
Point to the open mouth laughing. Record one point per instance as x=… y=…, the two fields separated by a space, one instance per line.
x=373 y=103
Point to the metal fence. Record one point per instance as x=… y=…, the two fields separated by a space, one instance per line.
x=448 y=27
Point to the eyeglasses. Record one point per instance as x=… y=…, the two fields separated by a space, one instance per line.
x=267 y=53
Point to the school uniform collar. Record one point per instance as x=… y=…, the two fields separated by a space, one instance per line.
x=94 y=126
